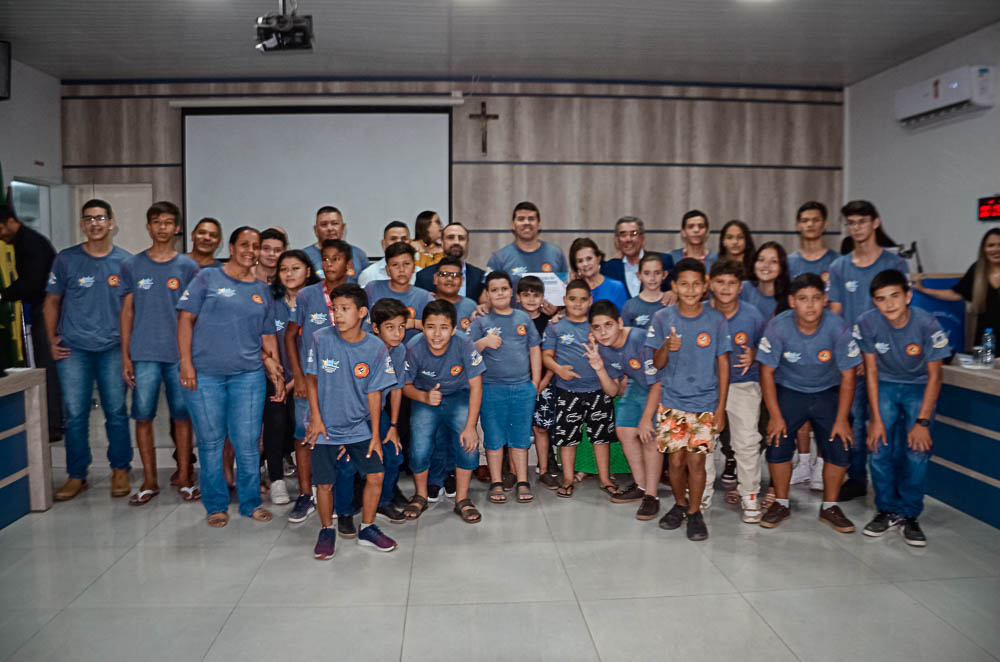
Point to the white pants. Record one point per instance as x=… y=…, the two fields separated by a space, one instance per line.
x=743 y=414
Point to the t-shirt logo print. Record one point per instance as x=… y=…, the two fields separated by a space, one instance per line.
x=824 y=355
x=546 y=267
x=113 y=280
x=522 y=330
x=740 y=338
x=145 y=283
x=173 y=284
x=703 y=339
x=256 y=298
x=465 y=323
x=913 y=349
x=456 y=370
x=567 y=338
x=318 y=318
x=361 y=370
x=329 y=365
x=634 y=364
x=85 y=281
x=226 y=292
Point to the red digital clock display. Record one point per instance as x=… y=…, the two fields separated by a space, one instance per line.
x=989 y=208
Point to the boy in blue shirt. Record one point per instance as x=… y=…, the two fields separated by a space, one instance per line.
x=745 y=324
x=447 y=284
x=388 y=318
x=903 y=349
x=690 y=340
x=347 y=370
x=625 y=356
x=813 y=256
x=152 y=283
x=400 y=261
x=807 y=360
x=509 y=343
x=694 y=234
x=639 y=310
x=850 y=279
x=582 y=390
x=444 y=381
x=82 y=310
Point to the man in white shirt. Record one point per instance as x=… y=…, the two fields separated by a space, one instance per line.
x=394 y=232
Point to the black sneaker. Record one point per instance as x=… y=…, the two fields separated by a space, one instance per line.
x=912 y=533
x=391 y=514
x=729 y=474
x=433 y=493
x=629 y=495
x=696 y=529
x=325 y=544
x=345 y=527
x=450 y=486
x=649 y=508
x=674 y=518
x=304 y=507
x=851 y=489
x=882 y=522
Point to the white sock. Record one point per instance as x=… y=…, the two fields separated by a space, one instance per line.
x=829 y=504
x=804 y=457
x=365 y=526
x=783 y=502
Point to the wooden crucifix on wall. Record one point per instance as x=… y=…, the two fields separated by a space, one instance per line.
x=483 y=118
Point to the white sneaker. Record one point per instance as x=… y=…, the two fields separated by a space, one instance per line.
x=751 y=509
x=817 y=476
x=706 y=501
x=279 y=493
x=802 y=473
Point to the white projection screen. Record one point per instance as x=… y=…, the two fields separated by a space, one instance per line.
x=268 y=167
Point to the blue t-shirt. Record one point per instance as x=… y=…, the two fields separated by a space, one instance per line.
x=637 y=312
x=798 y=265
x=156 y=288
x=232 y=317
x=849 y=284
x=346 y=372
x=459 y=363
x=311 y=314
x=567 y=338
x=633 y=359
x=463 y=314
x=902 y=354
x=398 y=356
x=765 y=304
x=808 y=363
x=678 y=254
x=546 y=258
x=691 y=376
x=359 y=262
x=414 y=298
x=282 y=315
x=91 y=292
x=745 y=329
x=612 y=290
x=511 y=362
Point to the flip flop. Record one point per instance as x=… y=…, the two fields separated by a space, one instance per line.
x=192 y=493
x=566 y=491
x=218 y=520
x=142 y=497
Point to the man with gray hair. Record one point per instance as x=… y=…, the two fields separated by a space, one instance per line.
x=630 y=236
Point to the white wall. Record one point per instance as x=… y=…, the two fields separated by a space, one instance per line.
x=926 y=181
x=31 y=126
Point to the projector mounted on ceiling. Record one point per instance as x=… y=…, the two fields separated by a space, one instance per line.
x=284 y=31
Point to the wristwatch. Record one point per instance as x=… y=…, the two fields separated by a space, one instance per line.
x=926 y=422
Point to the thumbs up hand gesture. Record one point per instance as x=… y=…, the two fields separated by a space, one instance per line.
x=673 y=340
x=434 y=396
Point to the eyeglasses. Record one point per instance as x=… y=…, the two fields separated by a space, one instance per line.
x=451 y=275
x=88 y=220
x=623 y=234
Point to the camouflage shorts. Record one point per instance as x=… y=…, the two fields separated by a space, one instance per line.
x=678 y=430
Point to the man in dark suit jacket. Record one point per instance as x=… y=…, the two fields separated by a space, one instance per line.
x=455 y=242
x=630 y=235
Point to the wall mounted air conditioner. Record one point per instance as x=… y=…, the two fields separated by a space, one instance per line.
x=959 y=90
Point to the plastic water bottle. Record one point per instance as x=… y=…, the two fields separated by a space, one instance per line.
x=989 y=347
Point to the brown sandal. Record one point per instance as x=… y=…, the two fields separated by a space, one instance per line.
x=524 y=494
x=261 y=515
x=467 y=511
x=496 y=493
x=566 y=491
x=415 y=508
x=218 y=520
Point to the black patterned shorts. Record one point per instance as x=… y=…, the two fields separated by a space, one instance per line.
x=573 y=411
x=545 y=409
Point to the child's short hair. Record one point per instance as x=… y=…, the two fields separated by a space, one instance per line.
x=694 y=213
x=726 y=268
x=650 y=257
x=450 y=261
x=603 y=307
x=386 y=309
x=338 y=245
x=531 y=284
x=496 y=275
x=689 y=264
x=578 y=284
x=274 y=233
x=888 y=278
x=441 y=307
x=399 y=248
x=806 y=280
x=350 y=291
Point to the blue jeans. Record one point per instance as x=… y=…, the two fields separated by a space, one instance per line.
x=858 y=469
x=146 y=395
x=442 y=457
x=228 y=405
x=898 y=471
x=426 y=421
x=506 y=416
x=77 y=374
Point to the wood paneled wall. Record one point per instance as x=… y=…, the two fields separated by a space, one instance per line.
x=585 y=153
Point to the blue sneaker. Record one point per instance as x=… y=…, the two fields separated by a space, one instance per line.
x=304 y=507
x=372 y=536
x=325 y=544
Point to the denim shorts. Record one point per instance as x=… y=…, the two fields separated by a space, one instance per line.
x=148 y=377
x=301 y=414
x=629 y=408
x=820 y=409
x=427 y=420
x=326 y=466
x=506 y=415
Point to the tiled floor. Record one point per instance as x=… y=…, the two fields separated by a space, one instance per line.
x=579 y=579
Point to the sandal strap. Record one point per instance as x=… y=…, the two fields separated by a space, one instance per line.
x=464 y=503
x=417 y=500
x=496 y=485
x=523 y=483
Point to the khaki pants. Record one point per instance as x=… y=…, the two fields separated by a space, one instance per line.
x=743 y=412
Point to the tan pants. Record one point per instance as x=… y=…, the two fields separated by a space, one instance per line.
x=743 y=414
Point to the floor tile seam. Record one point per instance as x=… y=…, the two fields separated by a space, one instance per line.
x=409 y=588
x=35 y=633
x=761 y=616
x=938 y=616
